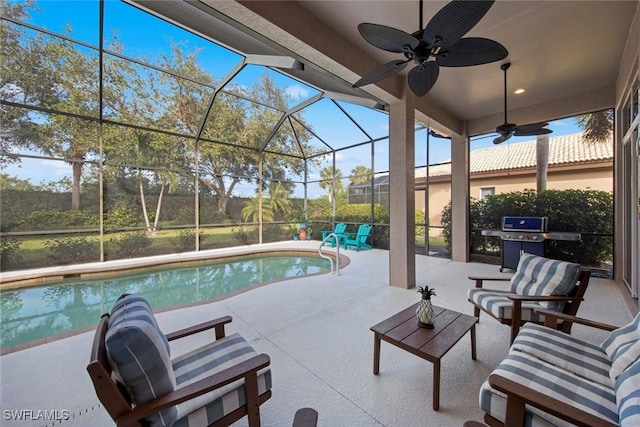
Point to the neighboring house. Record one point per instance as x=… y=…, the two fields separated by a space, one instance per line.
x=573 y=164
x=361 y=193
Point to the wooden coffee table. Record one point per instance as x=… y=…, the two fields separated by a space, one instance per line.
x=402 y=330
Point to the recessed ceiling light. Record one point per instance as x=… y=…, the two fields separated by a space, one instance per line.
x=519 y=91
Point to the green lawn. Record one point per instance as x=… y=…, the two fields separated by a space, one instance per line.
x=43 y=251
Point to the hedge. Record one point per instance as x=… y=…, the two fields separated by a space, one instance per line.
x=589 y=212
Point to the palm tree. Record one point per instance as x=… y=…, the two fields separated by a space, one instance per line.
x=330 y=180
x=360 y=175
x=542 y=161
x=279 y=200
x=597 y=128
x=251 y=210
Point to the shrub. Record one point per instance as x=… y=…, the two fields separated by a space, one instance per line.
x=186 y=239
x=132 y=244
x=273 y=233
x=57 y=220
x=420 y=219
x=240 y=234
x=9 y=254
x=121 y=216
x=586 y=211
x=186 y=215
x=73 y=250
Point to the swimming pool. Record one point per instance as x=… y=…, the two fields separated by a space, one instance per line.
x=55 y=310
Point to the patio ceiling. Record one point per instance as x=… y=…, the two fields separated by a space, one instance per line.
x=566 y=54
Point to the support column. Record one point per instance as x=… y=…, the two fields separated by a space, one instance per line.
x=402 y=252
x=460 y=198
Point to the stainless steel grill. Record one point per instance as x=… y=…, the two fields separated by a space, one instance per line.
x=525 y=234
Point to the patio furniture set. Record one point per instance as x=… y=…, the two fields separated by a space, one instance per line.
x=339 y=236
x=548 y=377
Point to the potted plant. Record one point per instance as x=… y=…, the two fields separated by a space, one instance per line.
x=301 y=232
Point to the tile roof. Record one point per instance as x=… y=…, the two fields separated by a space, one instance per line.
x=563 y=150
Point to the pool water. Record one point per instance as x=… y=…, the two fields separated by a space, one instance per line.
x=33 y=313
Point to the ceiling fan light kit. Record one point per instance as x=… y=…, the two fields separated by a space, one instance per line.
x=439 y=44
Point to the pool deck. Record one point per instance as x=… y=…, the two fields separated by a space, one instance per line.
x=316 y=331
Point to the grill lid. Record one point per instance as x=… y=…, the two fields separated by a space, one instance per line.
x=537 y=224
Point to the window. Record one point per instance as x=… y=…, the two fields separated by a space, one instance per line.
x=486 y=192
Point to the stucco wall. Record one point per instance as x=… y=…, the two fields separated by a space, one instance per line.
x=593 y=178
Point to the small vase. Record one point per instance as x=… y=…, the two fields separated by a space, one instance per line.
x=424 y=314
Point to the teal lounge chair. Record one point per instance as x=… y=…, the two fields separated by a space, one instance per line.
x=359 y=239
x=340 y=230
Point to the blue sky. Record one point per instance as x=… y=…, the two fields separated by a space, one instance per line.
x=145 y=36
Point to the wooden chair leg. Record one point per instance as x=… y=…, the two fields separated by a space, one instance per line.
x=516 y=320
x=253 y=400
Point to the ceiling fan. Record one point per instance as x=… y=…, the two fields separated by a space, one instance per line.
x=440 y=43
x=507 y=130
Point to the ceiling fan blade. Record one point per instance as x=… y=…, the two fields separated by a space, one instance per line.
x=388 y=38
x=423 y=77
x=502 y=138
x=531 y=132
x=471 y=51
x=453 y=21
x=382 y=72
x=531 y=126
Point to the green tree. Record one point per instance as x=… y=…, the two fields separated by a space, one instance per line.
x=597 y=126
x=251 y=210
x=61 y=77
x=135 y=94
x=331 y=181
x=8 y=182
x=360 y=175
x=20 y=50
x=236 y=130
x=277 y=201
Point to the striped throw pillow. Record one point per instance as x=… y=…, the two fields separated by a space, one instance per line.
x=623 y=347
x=628 y=396
x=138 y=353
x=541 y=276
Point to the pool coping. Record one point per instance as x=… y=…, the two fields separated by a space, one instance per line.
x=46 y=275
x=50 y=275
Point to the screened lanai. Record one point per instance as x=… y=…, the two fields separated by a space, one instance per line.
x=132 y=135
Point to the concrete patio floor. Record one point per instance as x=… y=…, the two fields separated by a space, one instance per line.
x=316 y=331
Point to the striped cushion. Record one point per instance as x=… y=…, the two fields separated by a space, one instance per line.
x=496 y=402
x=628 y=396
x=208 y=360
x=623 y=346
x=541 y=276
x=139 y=355
x=497 y=303
x=555 y=382
x=564 y=351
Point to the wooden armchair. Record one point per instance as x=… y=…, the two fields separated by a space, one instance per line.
x=539 y=283
x=153 y=390
x=551 y=377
